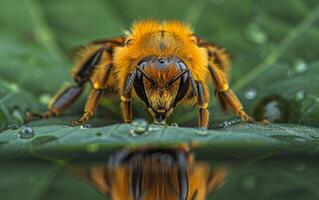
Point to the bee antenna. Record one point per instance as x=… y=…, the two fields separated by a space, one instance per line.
x=146 y=76
x=193 y=84
x=169 y=84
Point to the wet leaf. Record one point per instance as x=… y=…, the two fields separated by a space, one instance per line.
x=273 y=46
x=14 y=102
x=235 y=141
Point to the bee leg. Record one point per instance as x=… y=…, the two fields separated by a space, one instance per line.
x=202 y=101
x=60 y=102
x=227 y=95
x=218 y=56
x=91 y=104
x=126 y=105
x=68 y=96
x=233 y=102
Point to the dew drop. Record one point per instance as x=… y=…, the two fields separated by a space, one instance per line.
x=300 y=66
x=272 y=110
x=85 y=126
x=255 y=34
x=14 y=87
x=300 y=95
x=226 y=124
x=45 y=99
x=26 y=132
x=250 y=94
x=273 y=107
x=139 y=127
x=174 y=124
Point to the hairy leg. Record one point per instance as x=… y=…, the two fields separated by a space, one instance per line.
x=90 y=66
x=126 y=105
x=202 y=101
x=59 y=103
x=226 y=94
x=219 y=64
x=91 y=104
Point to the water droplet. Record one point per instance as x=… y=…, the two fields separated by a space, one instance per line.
x=139 y=126
x=45 y=99
x=274 y=108
x=155 y=127
x=202 y=131
x=300 y=66
x=14 y=87
x=250 y=94
x=85 y=126
x=174 y=124
x=255 y=34
x=226 y=124
x=26 y=132
x=91 y=148
x=300 y=95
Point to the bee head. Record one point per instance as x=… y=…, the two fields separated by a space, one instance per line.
x=161 y=82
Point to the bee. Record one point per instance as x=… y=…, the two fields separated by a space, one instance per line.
x=154 y=174
x=164 y=64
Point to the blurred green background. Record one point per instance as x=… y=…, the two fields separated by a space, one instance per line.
x=275 y=72
x=273 y=46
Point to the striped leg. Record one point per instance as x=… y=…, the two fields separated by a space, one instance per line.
x=202 y=101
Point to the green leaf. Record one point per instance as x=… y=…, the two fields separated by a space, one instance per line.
x=271 y=140
x=14 y=103
x=272 y=45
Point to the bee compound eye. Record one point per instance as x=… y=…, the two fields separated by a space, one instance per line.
x=139 y=88
x=183 y=88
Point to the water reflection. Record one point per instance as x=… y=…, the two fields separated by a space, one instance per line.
x=155 y=173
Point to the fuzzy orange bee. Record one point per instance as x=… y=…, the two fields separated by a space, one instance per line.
x=162 y=63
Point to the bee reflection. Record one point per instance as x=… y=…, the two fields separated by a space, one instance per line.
x=157 y=174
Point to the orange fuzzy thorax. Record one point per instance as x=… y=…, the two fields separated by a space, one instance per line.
x=166 y=39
